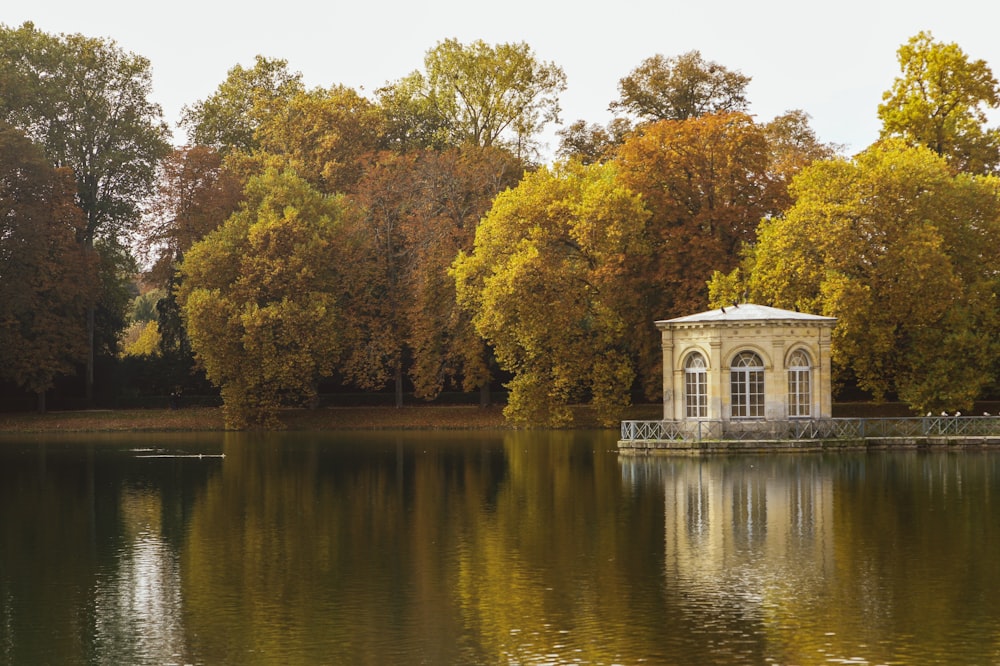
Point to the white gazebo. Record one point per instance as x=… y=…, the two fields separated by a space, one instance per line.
x=746 y=363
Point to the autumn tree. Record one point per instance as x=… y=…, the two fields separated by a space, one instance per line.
x=260 y=298
x=387 y=198
x=679 y=88
x=47 y=279
x=481 y=94
x=229 y=118
x=902 y=251
x=194 y=195
x=327 y=135
x=457 y=189
x=548 y=284
x=707 y=182
x=86 y=101
x=793 y=145
x=409 y=117
x=418 y=211
x=940 y=102
x=591 y=143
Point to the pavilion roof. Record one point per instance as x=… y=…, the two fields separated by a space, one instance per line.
x=747 y=312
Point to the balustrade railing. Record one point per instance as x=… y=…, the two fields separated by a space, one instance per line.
x=800 y=429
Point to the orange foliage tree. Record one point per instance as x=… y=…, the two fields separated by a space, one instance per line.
x=420 y=210
x=195 y=194
x=46 y=277
x=707 y=182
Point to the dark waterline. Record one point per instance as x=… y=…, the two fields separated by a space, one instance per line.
x=489 y=548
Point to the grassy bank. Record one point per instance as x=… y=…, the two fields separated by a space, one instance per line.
x=415 y=416
x=329 y=418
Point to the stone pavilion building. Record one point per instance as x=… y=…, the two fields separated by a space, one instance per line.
x=746 y=363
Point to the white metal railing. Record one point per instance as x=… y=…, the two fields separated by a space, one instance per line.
x=800 y=429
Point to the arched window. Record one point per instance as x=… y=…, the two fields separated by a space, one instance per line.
x=695 y=387
x=746 y=385
x=799 y=385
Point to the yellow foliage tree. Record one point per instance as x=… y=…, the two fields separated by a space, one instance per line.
x=142 y=339
x=940 y=101
x=550 y=287
x=259 y=297
x=326 y=135
x=902 y=251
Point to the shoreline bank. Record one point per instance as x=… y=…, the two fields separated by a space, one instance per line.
x=210 y=419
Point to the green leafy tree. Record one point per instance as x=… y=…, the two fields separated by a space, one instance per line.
x=682 y=87
x=481 y=94
x=143 y=309
x=260 y=298
x=940 y=102
x=116 y=269
x=86 y=101
x=47 y=278
x=902 y=251
x=549 y=286
x=229 y=118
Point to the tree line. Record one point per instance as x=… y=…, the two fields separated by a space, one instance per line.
x=304 y=236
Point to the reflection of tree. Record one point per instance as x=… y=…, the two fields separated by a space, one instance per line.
x=546 y=576
x=947 y=569
x=33 y=544
x=521 y=547
x=311 y=552
x=88 y=543
x=305 y=554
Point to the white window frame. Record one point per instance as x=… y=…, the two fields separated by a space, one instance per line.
x=746 y=386
x=799 y=385
x=695 y=386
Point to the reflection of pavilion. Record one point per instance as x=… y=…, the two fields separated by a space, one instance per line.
x=138 y=605
x=750 y=532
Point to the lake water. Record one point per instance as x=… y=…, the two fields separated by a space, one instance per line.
x=490 y=548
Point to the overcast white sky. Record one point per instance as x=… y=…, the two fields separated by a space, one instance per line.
x=831 y=59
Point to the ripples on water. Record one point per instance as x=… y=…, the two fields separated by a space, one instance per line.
x=141 y=592
x=495 y=548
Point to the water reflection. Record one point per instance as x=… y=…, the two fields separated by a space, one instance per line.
x=862 y=558
x=490 y=547
x=138 y=604
x=89 y=537
x=744 y=523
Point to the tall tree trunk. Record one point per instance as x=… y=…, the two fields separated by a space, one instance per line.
x=485 y=399
x=88 y=241
x=89 y=390
x=41 y=402
x=399 y=384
